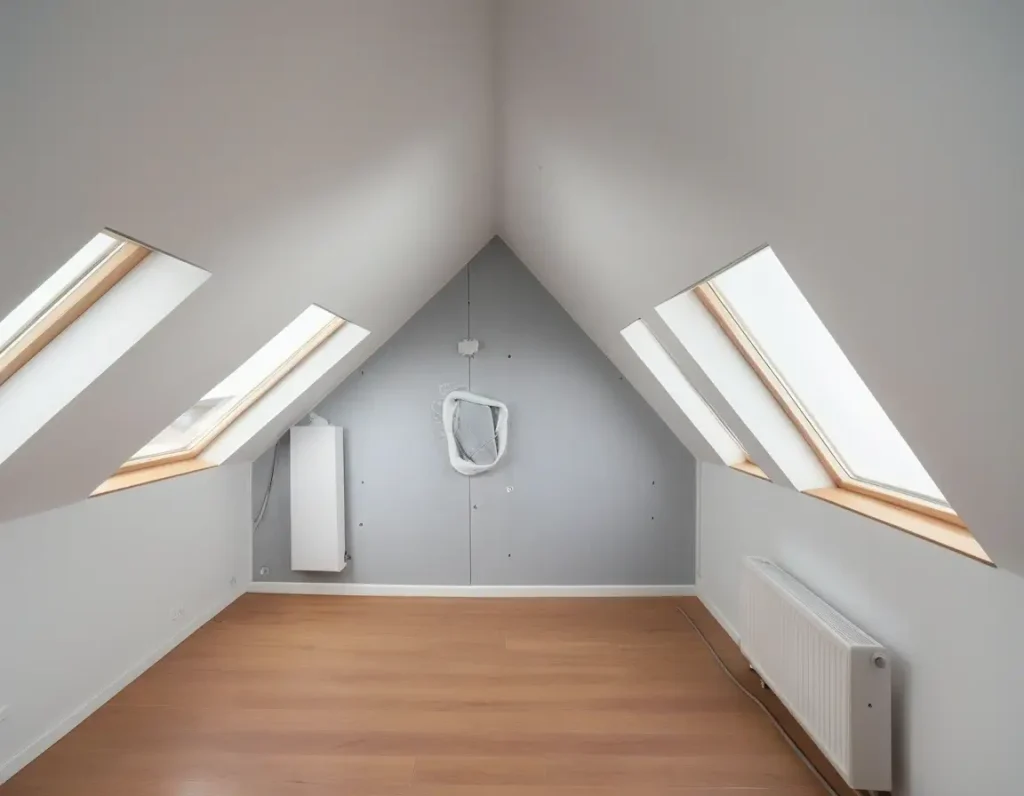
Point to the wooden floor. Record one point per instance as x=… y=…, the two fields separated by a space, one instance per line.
x=290 y=695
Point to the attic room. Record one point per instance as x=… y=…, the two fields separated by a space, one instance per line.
x=513 y=397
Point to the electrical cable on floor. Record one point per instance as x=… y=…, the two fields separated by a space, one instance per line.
x=760 y=704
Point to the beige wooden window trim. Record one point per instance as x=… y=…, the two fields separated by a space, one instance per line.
x=71 y=306
x=928 y=520
x=748 y=467
x=200 y=444
x=157 y=472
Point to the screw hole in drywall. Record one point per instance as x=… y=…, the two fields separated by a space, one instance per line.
x=264 y=570
x=652 y=518
x=360 y=525
x=474 y=506
x=510 y=356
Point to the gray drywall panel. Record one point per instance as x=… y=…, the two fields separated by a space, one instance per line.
x=593 y=489
x=407 y=517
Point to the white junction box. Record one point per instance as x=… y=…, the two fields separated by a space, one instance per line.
x=318 y=498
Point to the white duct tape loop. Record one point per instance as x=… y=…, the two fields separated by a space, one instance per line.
x=461 y=459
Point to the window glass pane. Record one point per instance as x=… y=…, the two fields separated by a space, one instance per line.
x=218 y=403
x=699 y=411
x=795 y=343
x=65 y=279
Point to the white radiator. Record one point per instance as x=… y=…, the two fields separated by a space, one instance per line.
x=832 y=676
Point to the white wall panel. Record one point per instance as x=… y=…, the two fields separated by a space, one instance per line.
x=317 y=498
x=93 y=593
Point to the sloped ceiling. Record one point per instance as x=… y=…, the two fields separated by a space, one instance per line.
x=875 y=146
x=337 y=152
x=346 y=152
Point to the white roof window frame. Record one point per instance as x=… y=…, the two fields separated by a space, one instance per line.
x=279 y=405
x=936 y=522
x=698 y=410
x=193 y=450
x=64 y=297
x=737 y=393
x=718 y=306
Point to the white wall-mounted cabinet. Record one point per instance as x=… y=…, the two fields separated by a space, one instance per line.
x=318 y=498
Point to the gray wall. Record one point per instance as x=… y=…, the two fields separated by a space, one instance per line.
x=594 y=488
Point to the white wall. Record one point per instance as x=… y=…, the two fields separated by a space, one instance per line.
x=954 y=625
x=336 y=152
x=88 y=595
x=33 y=400
x=874 y=145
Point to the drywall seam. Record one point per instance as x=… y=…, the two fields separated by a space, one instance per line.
x=399 y=590
x=411 y=519
x=48 y=738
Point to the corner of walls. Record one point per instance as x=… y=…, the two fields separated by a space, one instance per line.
x=111 y=584
x=594 y=491
x=948 y=621
x=91 y=704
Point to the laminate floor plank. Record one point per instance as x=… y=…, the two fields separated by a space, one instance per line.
x=303 y=696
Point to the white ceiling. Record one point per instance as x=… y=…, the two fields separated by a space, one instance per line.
x=357 y=154
x=338 y=152
x=877 y=148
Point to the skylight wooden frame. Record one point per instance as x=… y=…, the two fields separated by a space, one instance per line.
x=750 y=467
x=202 y=442
x=790 y=404
x=70 y=306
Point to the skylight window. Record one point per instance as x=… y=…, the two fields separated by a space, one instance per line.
x=63 y=297
x=651 y=352
x=763 y=311
x=190 y=434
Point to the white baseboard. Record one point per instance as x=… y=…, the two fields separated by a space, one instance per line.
x=719 y=617
x=389 y=590
x=21 y=759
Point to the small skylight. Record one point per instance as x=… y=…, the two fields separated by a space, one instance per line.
x=63 y=297
x=651 y=352
x=191 y=433
x=775 y=327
